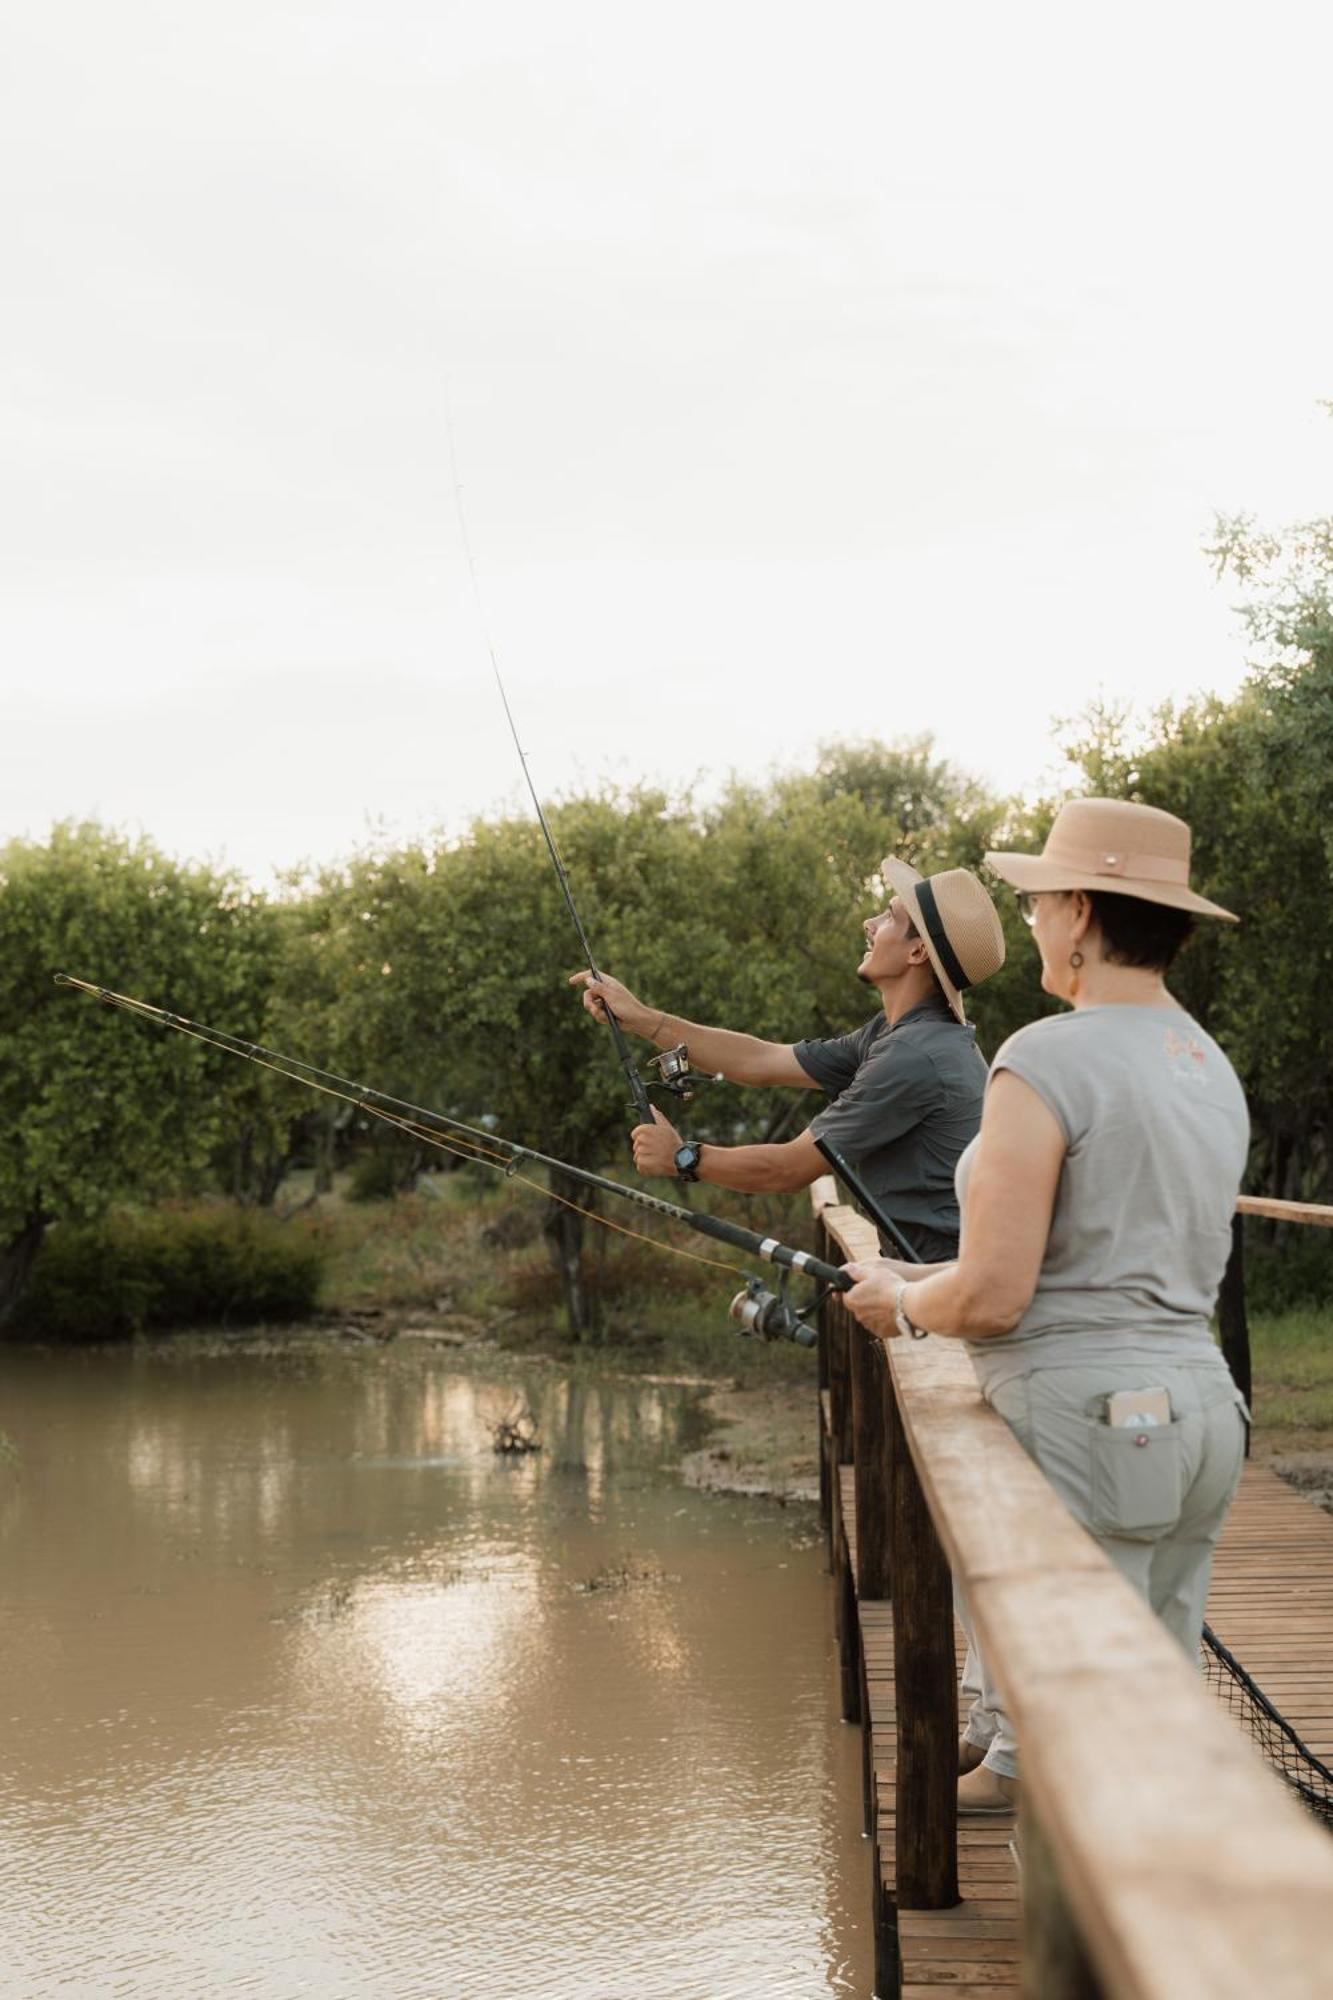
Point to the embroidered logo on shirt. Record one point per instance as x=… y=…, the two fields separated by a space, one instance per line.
x=1187 y=1057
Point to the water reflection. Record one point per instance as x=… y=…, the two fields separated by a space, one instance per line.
x=308 y=1692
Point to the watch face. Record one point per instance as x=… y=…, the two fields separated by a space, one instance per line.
x=687 y=1158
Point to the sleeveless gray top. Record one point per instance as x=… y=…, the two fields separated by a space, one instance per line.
x=1157 y=1133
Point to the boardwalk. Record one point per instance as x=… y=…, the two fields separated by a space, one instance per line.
x=1271 y=1605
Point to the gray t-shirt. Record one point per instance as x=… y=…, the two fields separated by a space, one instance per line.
x=1157 y=1132
x=906 y=1100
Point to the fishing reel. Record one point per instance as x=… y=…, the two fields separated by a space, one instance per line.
x=674 y=1073
x=765 y=1315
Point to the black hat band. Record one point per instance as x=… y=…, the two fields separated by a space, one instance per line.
x=930 y=917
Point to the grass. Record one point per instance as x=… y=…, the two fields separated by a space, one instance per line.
x=433 y=1251
x=470 y=1254
x=1292 y=1355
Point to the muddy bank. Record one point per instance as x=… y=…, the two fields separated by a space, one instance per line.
x=1310 y=1472
x=765 y=1442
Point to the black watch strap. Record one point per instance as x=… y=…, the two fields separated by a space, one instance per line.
x=687 y=1161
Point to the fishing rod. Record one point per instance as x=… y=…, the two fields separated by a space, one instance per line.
x=759 y=1310
x=673 y=1066
x=506 y=1156
x=857 y=1188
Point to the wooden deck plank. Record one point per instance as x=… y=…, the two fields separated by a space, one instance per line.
x=1271 y=1605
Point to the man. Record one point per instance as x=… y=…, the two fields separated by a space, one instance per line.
x=906 y=1089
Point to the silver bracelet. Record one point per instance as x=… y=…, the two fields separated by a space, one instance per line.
x=905 y=1323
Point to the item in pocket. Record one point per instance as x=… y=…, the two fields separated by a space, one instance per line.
x=1138 y=1409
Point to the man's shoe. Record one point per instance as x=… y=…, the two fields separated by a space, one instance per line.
x=970 y=1754
x=984 y=1792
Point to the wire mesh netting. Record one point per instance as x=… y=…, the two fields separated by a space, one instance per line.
x=1246 y=1702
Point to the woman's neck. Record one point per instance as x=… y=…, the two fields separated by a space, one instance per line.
x=1103 y=985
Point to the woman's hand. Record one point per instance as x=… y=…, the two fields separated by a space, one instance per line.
x=873 y=1299
x=899 y=1266
x=655 y=1145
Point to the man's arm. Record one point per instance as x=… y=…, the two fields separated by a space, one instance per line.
x=750 y=1169
x=740 y=1058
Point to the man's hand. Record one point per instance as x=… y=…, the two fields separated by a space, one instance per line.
x=603 y=992
x=873 y=1296
x=654 y=1145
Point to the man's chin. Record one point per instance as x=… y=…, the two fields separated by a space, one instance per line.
x=864 y=976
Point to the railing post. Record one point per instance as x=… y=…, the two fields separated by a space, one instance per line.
x=826 y=1249
x=925 y=1678
x=1232 y=1320
x=840 y=1381
x=871 y=1389
x=847 y=1624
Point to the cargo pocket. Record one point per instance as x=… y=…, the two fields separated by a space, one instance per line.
x=1138 y=1480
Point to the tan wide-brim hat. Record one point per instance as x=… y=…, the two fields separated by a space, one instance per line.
x=955 y=920
x=1116 y=846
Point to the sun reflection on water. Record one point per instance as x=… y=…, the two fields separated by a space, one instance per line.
x=312 y=1692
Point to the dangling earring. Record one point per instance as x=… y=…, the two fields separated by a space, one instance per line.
x=1075 y=959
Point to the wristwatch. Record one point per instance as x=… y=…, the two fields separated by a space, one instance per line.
x=906 y=1327
x=686 y=1161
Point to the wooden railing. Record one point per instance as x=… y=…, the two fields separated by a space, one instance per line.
x=1160 y=1857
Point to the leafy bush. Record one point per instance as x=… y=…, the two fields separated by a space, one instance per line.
x=142 y=1271
x=1296 y=1270
x=382 y=1170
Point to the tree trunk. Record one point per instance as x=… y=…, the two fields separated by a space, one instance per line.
x=326 y=1139
x=563 y=1229
x=16 y=1262
x=257 y=1170
x=272 y=1173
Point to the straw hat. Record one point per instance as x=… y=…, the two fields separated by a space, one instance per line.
x=957 y=924
x=1116 y=846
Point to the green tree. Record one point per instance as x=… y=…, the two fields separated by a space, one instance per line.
x=97 y=1107
x=1249 y=779
x=1287 y=579
x=449 y=962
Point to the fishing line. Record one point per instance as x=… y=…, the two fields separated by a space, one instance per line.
x=638 y=1089
x=465 y=1142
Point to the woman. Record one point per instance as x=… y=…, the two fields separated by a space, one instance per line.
x=1097 y=1201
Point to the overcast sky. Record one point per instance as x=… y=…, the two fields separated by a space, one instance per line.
x=824 y=371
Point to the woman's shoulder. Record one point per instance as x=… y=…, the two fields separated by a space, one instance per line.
x=1120 y=1034
x=1049 y=1035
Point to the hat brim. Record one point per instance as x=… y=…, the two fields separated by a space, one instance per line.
x=1035 y=872
x=902 y=878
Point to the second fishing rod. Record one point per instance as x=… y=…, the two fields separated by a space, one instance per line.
x=506 y=1156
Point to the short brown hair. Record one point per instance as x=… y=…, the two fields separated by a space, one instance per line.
x=1135 y=932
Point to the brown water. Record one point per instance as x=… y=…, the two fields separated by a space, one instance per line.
x=305 y=1691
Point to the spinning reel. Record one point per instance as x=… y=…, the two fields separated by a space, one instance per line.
x=674 y=1073
x=765 y=1315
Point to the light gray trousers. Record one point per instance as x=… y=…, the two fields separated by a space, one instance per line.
x=1156 y=1508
